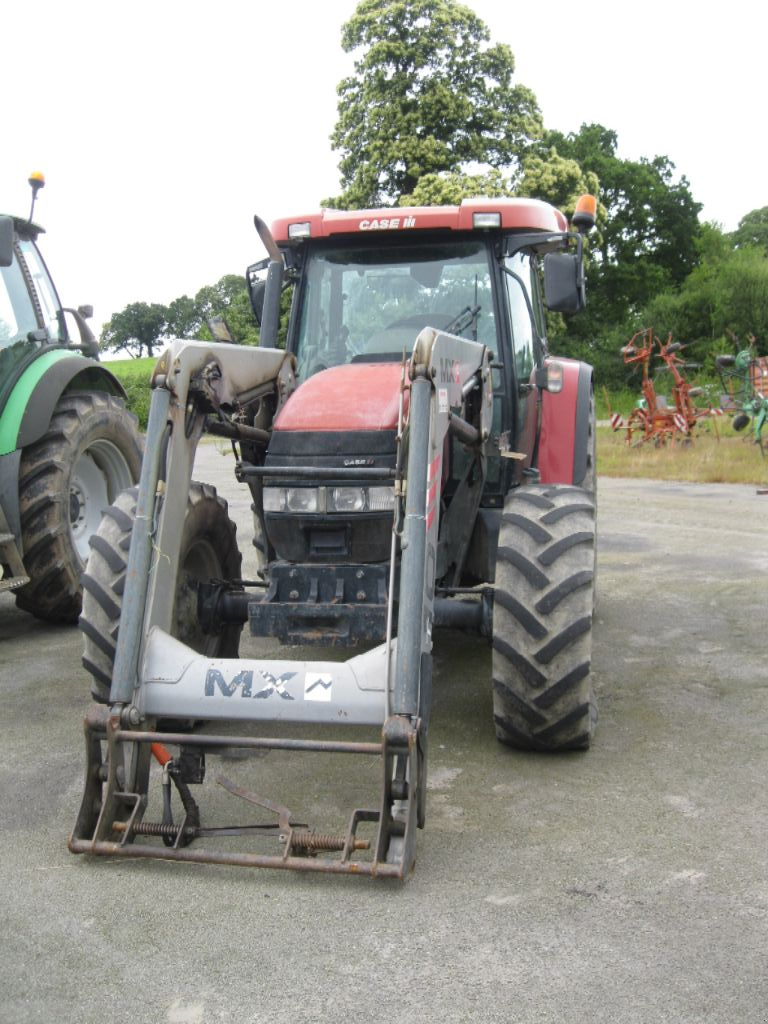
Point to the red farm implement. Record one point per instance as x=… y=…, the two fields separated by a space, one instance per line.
x=655 y=418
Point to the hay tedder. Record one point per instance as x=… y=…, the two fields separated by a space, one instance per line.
x=654 y=419
x=415 y=458
x=745 y=379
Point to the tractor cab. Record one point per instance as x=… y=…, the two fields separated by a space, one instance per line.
x=31 y=315
x=365 y=287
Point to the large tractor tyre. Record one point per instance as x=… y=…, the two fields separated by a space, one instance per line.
x=542 y=620
x=91 y=452
x=208 y=551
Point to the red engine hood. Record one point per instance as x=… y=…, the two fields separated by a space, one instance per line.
x=359 y=396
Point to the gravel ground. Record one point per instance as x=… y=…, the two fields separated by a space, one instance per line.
x=627 y=884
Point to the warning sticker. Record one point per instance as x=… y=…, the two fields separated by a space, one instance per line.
x=442 y=399
x=318 y=686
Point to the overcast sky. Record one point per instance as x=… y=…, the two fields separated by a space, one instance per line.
x=163 y=126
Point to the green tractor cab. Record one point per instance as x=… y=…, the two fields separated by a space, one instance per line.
x=68 y=445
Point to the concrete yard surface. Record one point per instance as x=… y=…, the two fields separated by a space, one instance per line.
x=624 y=885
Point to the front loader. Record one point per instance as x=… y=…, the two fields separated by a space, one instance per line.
x=416 y=459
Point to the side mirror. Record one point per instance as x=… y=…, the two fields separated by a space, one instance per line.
x=564 y=283
x=6 y=241
x=88 y=340
x=220 y=330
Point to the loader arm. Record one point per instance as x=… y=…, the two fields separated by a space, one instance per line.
x=157 y=678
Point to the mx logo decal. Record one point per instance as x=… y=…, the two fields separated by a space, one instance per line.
x=275 y=684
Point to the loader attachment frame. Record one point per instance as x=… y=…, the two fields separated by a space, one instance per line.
x=158 y=679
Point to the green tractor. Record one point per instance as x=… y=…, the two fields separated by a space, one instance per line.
x=68 y=444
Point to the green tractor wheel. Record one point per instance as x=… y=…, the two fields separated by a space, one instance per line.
x=89 y=454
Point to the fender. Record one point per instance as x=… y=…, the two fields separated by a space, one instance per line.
x=30 y=405
x=565 y=426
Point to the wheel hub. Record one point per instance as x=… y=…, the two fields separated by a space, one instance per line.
x=98 y=476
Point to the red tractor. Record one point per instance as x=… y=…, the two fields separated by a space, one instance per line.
x=416 y=458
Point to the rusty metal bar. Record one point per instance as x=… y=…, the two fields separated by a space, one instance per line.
x=260 y=742
x=242 y=860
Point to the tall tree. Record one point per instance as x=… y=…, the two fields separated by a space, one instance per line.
x=183 y=318
x=429 y=95
x=449 y=188
x=648 y=232
x=138 y=327
x=752 y=229
x=556 y=179
x=725 y=295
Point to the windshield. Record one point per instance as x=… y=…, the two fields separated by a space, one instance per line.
x=17 y=320
x=20 y=332
x=368 y=304
x=17 y=314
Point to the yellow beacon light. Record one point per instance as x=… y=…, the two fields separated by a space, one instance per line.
x=37 y=181
x=585 y=214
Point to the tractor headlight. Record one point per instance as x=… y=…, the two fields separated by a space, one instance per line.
x=346 y=499
x=274 y=499
x=331 y=500
x=302 y=499
x=381 y=499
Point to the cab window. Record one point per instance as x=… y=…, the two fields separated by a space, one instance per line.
x=522 y=299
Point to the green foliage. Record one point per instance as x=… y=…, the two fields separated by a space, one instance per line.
x=138 y=327
x=183 y=318
x=752 y=230
x=449 y=188
x=544 y=175
x=227 y=298
x=555 y=179
x=648 y=227
x=134 y=375
x=141 y=326
x=646 y=243
x=725 y=295
x=429 y=95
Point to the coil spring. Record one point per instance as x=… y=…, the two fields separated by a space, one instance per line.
x=317 y=841
x=149 y=828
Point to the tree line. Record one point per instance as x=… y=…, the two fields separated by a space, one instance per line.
x=432 y=114
x=141 y=327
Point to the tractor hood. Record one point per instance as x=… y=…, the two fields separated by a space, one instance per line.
x=345 y=419
x=351 y=398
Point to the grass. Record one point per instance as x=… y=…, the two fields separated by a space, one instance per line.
x=134 y=375
x=607 y=403
x=733 y=459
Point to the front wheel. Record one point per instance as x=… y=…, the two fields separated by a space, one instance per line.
x=208 y=551
x=89 y=454
x=542 y=619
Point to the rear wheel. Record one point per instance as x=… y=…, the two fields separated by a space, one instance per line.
x=542 y=619
x=208 y=551
x=89 y=454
